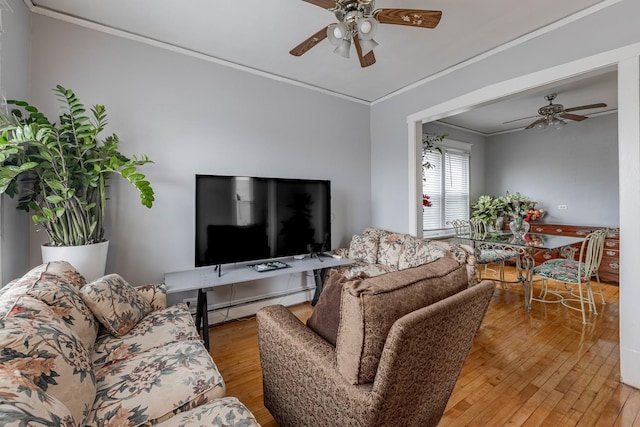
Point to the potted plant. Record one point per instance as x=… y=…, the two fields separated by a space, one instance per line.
x=59 y=172
x=489 y=210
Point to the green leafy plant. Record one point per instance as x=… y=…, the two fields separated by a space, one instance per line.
x=488 y=209
x=59 y=171
x=429 y=145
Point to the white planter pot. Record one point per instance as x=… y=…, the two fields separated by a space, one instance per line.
x=89 y=260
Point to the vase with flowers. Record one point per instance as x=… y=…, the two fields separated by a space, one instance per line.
x=519 y=208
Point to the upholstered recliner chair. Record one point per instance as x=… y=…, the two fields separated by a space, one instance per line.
x=401 y=342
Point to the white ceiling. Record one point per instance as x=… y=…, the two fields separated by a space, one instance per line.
x=256 y=35
x=600 y=86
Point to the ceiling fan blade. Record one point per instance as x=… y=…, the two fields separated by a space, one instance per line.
x=303 y=47
x=517 y=120
x=575 y=117
x=366 y=60
x=532 y=125
x=325 y=4
x=410 y=17
x=585 y=107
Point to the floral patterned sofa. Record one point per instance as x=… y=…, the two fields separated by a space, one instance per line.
x=378 y=251
x=104 y=354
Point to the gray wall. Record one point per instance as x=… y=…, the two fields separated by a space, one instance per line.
x=576 y=166
x=389 y=131
x=195 y=117
x=14 y=84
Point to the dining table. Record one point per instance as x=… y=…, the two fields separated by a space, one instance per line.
x=524 y=248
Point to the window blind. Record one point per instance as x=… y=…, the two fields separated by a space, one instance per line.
x=447 y=185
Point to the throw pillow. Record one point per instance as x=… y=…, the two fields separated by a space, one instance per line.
x=155 y=294
x=325 y=318
x=369 y=308
x=115 y=303
x=419 y=251
x=390 y=248
x=364 y=248
x=22 y=402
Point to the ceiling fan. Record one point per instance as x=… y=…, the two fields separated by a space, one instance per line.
x=552 y=114
x=358 y=21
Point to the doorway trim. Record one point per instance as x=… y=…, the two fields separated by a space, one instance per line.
x=624 y=58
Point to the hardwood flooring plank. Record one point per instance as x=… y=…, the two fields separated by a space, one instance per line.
x=630 y=411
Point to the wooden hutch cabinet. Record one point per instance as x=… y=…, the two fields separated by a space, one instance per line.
x=610 y=265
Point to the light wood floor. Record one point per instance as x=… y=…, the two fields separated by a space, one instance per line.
x=524 y=369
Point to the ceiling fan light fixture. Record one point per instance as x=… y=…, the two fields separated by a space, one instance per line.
x=557 y=123
x=337 y=32
x=367 y=28
x=343 y=48
x=367 y=46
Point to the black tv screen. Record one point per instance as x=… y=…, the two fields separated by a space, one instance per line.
x=241 y=218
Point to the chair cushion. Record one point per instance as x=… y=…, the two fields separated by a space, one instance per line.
x=227 y=411
x=364 y=248
x=156 y=329
x=115 y=303
x=155 y=385
x=560 y=269
x=489 y=256
x=369 y=307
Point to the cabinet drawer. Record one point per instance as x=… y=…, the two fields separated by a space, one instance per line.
x=609 y=270
x=562 y=229
x=611 y=245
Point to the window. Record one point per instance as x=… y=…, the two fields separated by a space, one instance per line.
x=447 y=185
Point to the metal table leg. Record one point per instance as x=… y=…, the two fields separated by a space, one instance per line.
x=202 y=317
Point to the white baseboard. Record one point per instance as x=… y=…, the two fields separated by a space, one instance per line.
x=242 y=309
x=629 y=362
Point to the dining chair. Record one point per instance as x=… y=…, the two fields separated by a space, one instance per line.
x=461 y=230
x=575 y=274
x=485 y=255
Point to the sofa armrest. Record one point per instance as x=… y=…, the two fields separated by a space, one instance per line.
x=155 y=294
x=343 y=252
x=299 y=366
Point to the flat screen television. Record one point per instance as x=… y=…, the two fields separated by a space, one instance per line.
x=240 y=218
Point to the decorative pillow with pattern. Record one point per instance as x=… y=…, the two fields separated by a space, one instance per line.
x=419 y=251
x=115 y=303
x=364 y=248
x=390 y=248
x=155 y=294
x=40 y=345
x=24 y=403
x=375 y=232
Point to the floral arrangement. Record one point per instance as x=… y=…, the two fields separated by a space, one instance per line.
x=426 y=203
x=522 y=208
x=515 y=207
